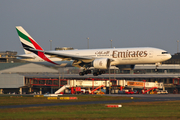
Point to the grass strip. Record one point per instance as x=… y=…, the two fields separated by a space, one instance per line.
x=135 y=110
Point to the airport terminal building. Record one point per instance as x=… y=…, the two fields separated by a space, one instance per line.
x=18 y=77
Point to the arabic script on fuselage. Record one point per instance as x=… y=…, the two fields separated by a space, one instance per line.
x=102 y=52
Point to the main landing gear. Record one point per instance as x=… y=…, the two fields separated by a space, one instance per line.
x=96 y=73
x=85 y=72
x=99 y=72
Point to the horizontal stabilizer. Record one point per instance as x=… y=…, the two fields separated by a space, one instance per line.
x=24 y=57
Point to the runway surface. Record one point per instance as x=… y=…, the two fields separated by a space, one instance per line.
x=143 y=98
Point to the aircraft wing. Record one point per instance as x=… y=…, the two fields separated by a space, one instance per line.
x=64 y=56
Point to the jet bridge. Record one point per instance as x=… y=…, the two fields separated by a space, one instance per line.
x=113 y=83
x=140 y=84
x=91 y=83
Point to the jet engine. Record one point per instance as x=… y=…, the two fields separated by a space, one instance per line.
x=101 y=63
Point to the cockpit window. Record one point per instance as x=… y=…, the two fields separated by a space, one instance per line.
x=165 y=53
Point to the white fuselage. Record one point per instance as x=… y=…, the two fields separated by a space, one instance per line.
x=119 y=56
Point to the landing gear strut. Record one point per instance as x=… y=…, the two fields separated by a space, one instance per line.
x=156 y=70
x=157 y=65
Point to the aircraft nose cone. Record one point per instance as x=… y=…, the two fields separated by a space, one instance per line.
x=169 y=56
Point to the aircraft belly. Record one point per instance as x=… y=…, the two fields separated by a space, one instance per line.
x=129 y=60
x=134 y=60
x=59 y=63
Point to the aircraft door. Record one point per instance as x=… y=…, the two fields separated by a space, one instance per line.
x=150 y=54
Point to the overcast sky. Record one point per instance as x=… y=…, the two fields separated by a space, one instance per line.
x=129 y=23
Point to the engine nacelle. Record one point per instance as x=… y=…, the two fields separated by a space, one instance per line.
x=101 y=63
x=126 y=67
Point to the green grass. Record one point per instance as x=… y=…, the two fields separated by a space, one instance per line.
x=129 y=111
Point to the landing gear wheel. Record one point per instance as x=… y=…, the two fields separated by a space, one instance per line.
x=88 y=71
x=81 y=73
x=98 y=72
x=85 y=73
x=102 y=72
x=95 y=74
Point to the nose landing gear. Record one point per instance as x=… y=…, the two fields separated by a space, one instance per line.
x=157 y=65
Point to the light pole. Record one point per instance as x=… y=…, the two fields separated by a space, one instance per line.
x=111 y=43
x=177 y=46
x=87 y=42
x=50 y=44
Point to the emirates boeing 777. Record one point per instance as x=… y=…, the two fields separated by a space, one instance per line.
x=100 y=59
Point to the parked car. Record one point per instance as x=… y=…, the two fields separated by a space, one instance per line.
x=162 y=92
x=129 y=92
